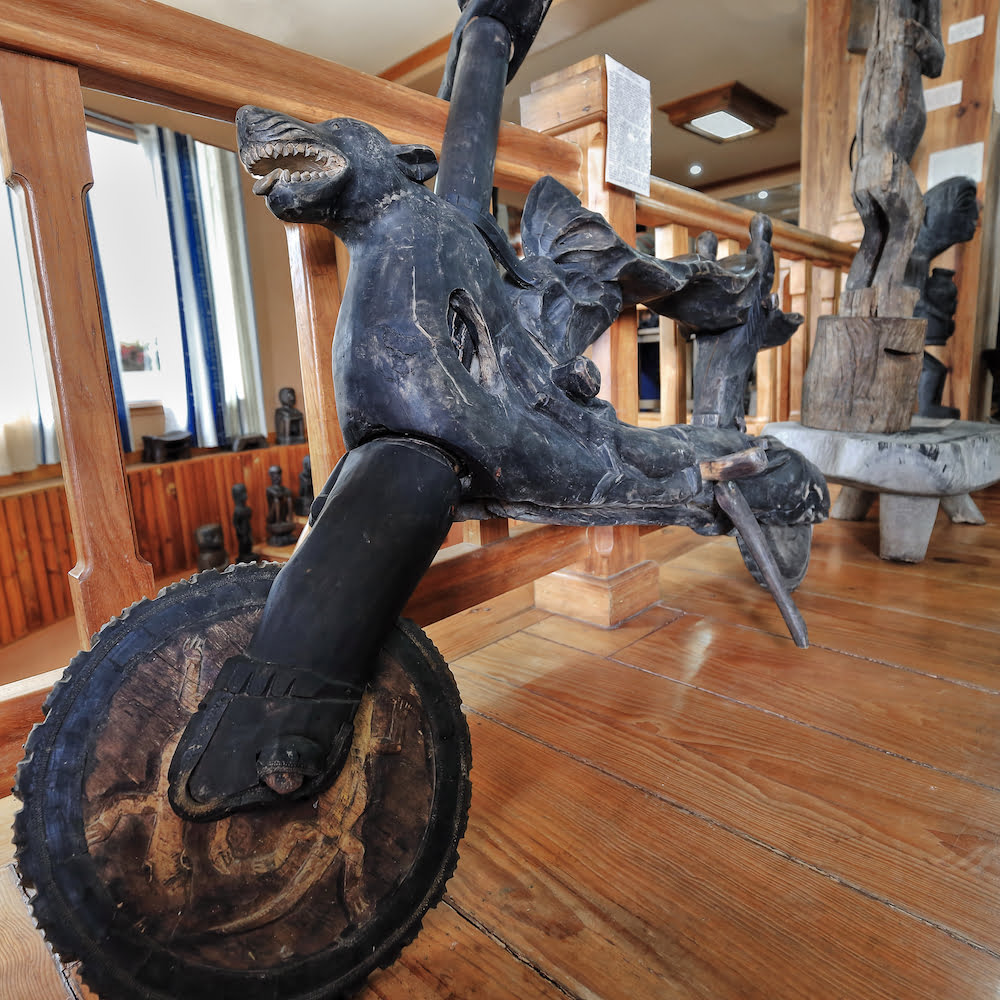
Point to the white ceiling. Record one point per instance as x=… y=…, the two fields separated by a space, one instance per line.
x=682 y=48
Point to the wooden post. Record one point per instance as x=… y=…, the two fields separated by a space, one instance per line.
x=784 y=352
x=611 y=584
x=45 y=154
x=317 y=280
x=828 y=121
x=672 y=241
x=803 y=294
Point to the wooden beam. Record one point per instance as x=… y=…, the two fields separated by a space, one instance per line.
x=566 y=19
x=156 y=53
x=751 y=183
x=20 y=709
x=668 y=202
x=464 y=576
x=419 y=69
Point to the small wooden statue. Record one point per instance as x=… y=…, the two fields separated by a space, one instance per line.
x=289 y=422
x=241 y=522
x=211 y=548
x=304 y=501
x=280 y=512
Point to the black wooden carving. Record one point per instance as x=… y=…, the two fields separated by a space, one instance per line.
x=241 y=524
x=951 y=214
x=462 y=392
x=289 y=420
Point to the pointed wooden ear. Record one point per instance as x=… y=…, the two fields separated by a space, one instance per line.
x=418 y=162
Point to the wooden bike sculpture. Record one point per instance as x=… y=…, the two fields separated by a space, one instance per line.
x=255 y=784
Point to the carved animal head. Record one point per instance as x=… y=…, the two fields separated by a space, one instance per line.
x=334 y=173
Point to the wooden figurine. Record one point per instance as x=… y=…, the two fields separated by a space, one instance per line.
x=304 y=501
x=281 y=527
x=289 y=421
x=211 y=547
x=242 y=515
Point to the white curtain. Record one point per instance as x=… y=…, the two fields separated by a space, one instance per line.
x=27 y=416
x=229 y=268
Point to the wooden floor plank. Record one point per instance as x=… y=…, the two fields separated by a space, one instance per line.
x=603 y=641
x=889 y=586
x=617 y=895
x=956 y=551
x=468 y=630
x=898 y=831
x=943 y=649
x=452 y=958
x=8 y=806
x=947 y=726
x=27 y=969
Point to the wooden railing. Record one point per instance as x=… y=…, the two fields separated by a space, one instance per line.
x=146 y=51
x=169 y=501
x=808 y=274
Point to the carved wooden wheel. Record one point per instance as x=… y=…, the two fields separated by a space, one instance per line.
x=790 y=545
x=299 y=902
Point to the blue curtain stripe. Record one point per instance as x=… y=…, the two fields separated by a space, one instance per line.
x=203 y=289
x=192 y=420
x=109 y=340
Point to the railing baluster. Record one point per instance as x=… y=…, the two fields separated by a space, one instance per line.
x=671 y=241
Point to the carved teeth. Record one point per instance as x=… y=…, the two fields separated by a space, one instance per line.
x=290 y=163
x=263 y=185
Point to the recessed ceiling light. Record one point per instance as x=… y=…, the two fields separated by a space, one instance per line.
x=724 y=113
x=695 y=169
x=720 y=125
x=762 y=195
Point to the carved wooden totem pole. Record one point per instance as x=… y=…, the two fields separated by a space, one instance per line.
x=865 y=366
x=254 y=786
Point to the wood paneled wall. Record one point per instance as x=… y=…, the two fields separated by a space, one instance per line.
x=36 y=555
x=168 y=501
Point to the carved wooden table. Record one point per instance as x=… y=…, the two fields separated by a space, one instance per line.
x=934 y=463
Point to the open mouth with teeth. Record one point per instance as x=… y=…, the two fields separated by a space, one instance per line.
x=291 y=162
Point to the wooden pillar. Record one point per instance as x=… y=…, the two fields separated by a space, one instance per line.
x=672 y=241
x=317 y=281
x=45 y=154
x=803 y=293
x=829 y=104
x=611 y=584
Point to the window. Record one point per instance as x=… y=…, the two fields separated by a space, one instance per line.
x=137 y=272
x=172 y=263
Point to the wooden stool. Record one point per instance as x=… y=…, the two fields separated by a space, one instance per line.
x=934 y=463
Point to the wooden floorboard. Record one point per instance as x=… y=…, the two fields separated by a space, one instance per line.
x=948 y=726
x=892 y=829
x=616 y=893
x=690 y=807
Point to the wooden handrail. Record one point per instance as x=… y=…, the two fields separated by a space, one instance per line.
x=156 y=53
x=673 y=203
